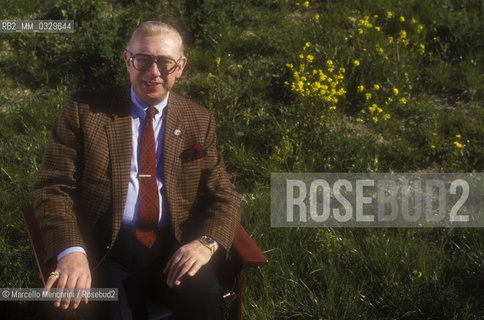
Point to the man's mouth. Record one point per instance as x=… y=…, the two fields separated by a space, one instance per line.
x=152 y=84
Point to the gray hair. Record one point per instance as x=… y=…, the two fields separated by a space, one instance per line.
x=155 y=28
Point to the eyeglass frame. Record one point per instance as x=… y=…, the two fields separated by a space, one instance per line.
x=155 y=60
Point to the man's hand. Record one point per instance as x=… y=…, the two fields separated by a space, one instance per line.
x=189 y=259
x=74 y=273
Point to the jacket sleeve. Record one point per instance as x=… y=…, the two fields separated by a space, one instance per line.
x=222 y=201
x=55 y=189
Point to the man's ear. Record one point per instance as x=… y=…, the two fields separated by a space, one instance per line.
x=181 y=66
x=126 y=56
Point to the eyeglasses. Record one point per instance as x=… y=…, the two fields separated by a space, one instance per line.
x=143 y=62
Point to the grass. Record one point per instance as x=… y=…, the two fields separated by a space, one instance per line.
x=240 y=56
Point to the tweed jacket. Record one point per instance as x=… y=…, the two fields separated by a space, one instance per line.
x=82 y=184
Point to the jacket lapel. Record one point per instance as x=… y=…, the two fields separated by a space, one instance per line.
x=172 y=148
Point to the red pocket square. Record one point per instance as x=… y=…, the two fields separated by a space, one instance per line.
x=192 y=154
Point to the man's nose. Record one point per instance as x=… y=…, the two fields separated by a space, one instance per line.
x=154 y=69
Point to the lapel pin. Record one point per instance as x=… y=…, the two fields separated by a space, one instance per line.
x=177 y=132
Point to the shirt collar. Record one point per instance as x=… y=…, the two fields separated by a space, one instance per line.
x=139 y=107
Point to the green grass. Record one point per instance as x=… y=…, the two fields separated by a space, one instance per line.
x=265 y=126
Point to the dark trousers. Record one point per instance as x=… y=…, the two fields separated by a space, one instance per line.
x=137 y=272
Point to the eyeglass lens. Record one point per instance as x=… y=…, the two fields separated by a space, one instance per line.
x=143 y=62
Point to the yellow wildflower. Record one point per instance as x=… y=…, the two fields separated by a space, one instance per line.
x=419 y=28
x=306 y=4
x=402 y=19
x=239 y=66
x=376 y=87
x=413 y=20
x=434 y=133
x=361 y=88
x=457 y=144
x=356 y=63
x=377 y=28
x=368 y=96
x=375 y=16
x=386 y=116
x=316 y=17
x=403 y=34
x=289 y=65
x=360 y=31
x=375 y=119
x=458 y=136
x=390 y=39
x=421 y=49
x=332 y=108
x=210 y=75
x=389 y=14
x=395 y=91
x=301 y=56
x=432 y=146
x=403 y=100
x=329 y=63
x=359 y=120
x=310 y=58
x=217 y=61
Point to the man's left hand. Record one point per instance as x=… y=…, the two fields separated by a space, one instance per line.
x=188 y=259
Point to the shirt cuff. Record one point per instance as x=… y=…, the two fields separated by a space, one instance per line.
x=70 y=250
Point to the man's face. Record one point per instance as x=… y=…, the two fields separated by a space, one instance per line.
x=151 y=86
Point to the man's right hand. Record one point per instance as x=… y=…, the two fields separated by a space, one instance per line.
x=74 y=273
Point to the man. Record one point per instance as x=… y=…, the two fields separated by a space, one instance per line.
x=132 y=192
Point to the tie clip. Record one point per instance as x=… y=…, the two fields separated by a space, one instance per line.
x=145 y=175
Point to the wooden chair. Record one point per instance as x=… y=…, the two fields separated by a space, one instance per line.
x=244 y=254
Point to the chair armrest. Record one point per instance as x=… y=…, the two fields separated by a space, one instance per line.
x=247 y=250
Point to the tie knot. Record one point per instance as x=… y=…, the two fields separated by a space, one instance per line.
x=150 y=113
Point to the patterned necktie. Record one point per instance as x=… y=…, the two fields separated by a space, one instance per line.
x=149 y=202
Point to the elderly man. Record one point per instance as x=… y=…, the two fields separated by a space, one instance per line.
x=133 y=193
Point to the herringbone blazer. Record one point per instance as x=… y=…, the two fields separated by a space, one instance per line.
x=82 y=184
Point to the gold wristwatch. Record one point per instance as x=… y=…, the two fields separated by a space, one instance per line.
x=209 y=243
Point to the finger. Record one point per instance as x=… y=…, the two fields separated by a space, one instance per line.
x=175 y=271
x=61 y=283
x=183 y=270
x=81 y=285
x=88 y=286
x=71 y=284
x=174 y=259
x=168 y=265
x=50 y=281
x=195 y=267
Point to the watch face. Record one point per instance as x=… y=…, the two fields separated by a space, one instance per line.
x=207 y=240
